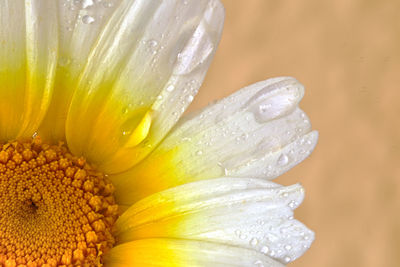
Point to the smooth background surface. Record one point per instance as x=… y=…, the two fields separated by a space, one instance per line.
x=347 y=54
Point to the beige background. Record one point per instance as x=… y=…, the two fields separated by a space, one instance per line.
x=347 y=54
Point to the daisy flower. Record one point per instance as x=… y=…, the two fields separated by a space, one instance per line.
x=99 y=167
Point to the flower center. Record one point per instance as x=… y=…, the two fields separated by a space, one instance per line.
x=54 y=208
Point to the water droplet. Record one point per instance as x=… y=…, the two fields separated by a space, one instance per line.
x=288 y=247
x=272 y=253
x=299 y=130
x=264 y=249
x=189 y=98
x=275 y=100
x=199 y=153
x=243 y=236
x=264 y=108
x=88 y=19
x=87 y=3
x=258 y=263
x=107 y=4
x=224 y=169
x=287 y=259
x=63 y=62
x=170 y=88
x=283 y=160
x=152 y=43
x=187 y=61
x=285 y=195
x=253 y=242
x=293 y=204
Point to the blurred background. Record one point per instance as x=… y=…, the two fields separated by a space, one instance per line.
x=347 y=54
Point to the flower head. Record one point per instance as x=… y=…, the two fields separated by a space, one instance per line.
x=97 y=164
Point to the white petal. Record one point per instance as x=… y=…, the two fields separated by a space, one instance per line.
x=184 y=253
x=248 y=213
x=147 y=61
x=246 y=133
x=257 y=132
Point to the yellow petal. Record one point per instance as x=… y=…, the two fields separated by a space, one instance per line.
x=78 y=31
x=183 y=253
x=28 y=55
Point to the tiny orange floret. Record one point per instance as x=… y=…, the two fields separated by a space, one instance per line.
x=55 y=209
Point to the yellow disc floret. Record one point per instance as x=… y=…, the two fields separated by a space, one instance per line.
x=55 y=209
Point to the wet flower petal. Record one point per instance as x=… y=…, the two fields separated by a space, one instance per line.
x=79 y=27
x=242 y=212
x=182 y=253
x=257 y=132
x=144 y=65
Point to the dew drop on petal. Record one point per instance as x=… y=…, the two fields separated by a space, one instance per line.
x=87 y=3
x=283 y=160
x=88 y=19
x=272 y=253
x=170 y=88
x=275 y=100
x=152 y=43
x=253 y=242
x=293 y=204
x=264 y=249
x=243 y=236
x=63 y=62
x=107 y=4
x=189 y=98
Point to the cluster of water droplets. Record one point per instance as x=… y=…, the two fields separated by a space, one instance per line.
x=85 y=10
x=284 y=240
x=270 y=146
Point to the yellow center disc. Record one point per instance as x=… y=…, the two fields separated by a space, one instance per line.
x=54 y=208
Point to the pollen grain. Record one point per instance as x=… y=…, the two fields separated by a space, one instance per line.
x=55 y=209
